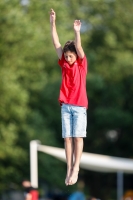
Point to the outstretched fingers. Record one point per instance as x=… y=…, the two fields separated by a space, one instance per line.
x=77 y=25
x=77 y=22
x=52 y=15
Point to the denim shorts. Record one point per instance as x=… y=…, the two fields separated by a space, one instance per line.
x=74 y=121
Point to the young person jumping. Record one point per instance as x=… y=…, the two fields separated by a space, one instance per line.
x=73 y=96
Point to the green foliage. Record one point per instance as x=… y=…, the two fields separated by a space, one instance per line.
x=30 y=80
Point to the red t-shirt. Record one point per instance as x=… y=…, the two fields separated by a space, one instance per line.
x=73 y=86
x=34 y=194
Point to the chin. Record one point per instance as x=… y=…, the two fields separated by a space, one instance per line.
x=70 y=63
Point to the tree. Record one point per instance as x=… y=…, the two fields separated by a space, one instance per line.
x=30 y=80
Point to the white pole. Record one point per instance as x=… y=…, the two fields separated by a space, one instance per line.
x=34 y=163
x=119 y=185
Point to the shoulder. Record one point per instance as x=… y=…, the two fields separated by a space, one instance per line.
x=82 y=61
x=61 y=61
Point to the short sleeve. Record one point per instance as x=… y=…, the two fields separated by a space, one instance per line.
x=61 y=61
x=83 y=63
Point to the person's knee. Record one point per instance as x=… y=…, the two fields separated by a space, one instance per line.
x=68 y=140
x=78 y=140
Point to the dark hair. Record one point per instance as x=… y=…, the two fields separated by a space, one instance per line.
x=69 y=46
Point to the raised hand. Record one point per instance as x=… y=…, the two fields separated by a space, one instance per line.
x=77 y=25
x=52 y=16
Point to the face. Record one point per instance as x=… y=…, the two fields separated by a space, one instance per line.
x=70 y=57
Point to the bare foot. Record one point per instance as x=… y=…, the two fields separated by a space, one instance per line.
x=66 y=180
x=73 y=177
x=68 y=176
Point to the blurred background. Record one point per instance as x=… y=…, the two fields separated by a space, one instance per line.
x=29 y=87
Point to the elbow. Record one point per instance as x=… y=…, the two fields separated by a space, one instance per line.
x=78 y=47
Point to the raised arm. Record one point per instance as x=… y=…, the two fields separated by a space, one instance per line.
x=77 y=27
x=54 y=34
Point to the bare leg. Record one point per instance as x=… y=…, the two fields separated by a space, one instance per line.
x=78 y=148
x=69 y=149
